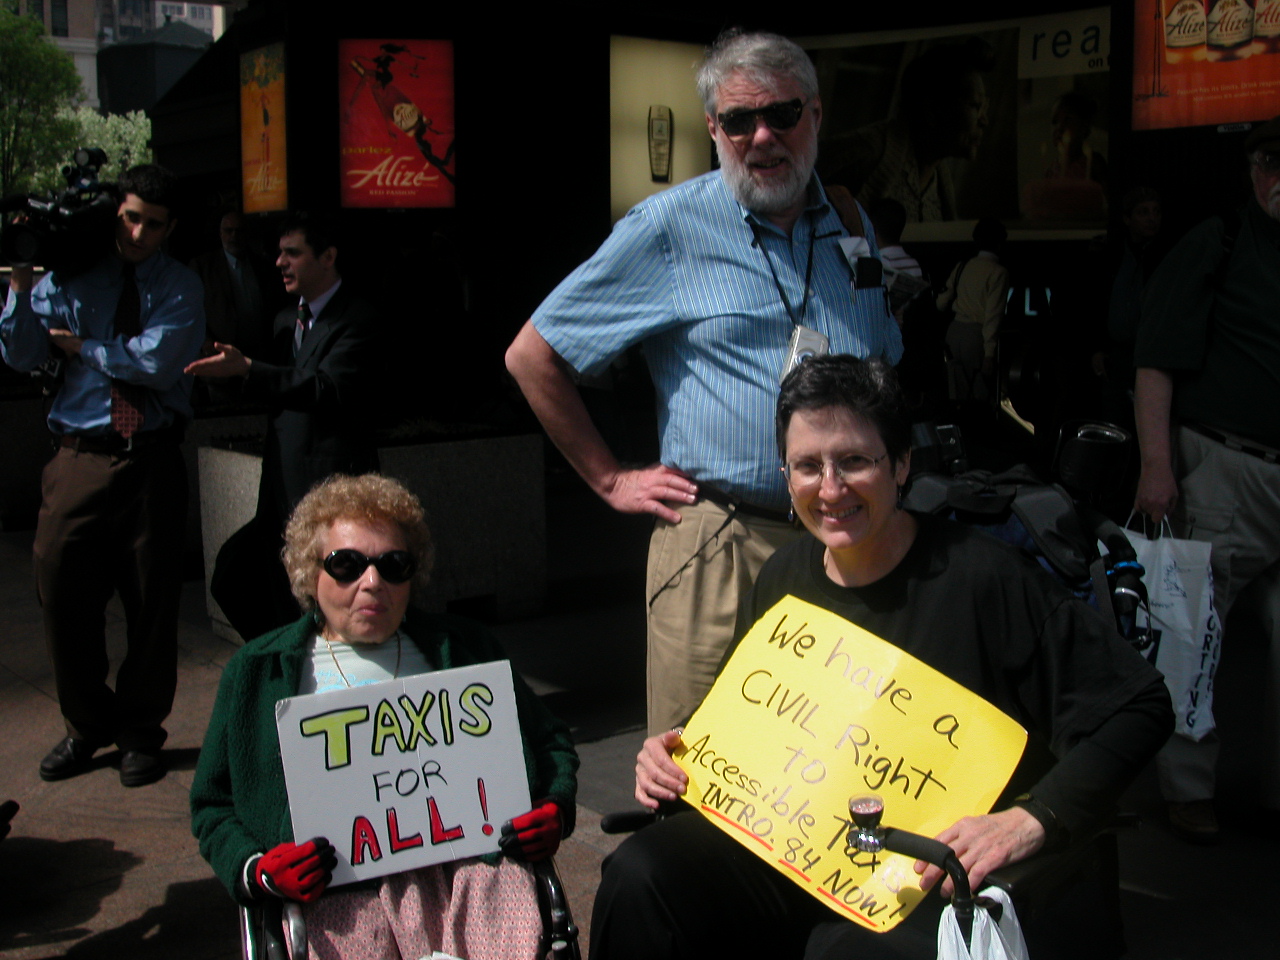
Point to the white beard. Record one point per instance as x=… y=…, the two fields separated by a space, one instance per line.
x=775 y=195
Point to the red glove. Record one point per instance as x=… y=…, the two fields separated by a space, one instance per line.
x=296 y=871
x=534 y=835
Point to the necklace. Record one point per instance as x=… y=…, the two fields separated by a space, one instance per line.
x=334 y=656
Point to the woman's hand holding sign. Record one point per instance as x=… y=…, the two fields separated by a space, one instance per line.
x=535 y=835
x=295 y=871
x=658 y=779
x=984 y=844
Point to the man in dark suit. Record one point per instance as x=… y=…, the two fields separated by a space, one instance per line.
x=320 y=368
x=239 y=292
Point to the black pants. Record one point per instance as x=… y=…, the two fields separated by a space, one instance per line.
x=684 y=889
x=249 y=580
x=113 y=523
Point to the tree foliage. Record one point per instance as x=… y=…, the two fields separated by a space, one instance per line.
x=38 y=86
x=125 y=137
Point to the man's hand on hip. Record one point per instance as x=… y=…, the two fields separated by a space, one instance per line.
x=644 y=490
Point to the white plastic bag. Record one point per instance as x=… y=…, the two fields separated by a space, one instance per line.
x=991 y=940
x=1184 y=623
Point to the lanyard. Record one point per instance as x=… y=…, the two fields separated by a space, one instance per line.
x=808 y=269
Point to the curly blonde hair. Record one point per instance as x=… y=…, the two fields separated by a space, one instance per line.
x=371 y=498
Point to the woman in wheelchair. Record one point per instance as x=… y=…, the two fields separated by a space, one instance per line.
x=967 y=605
x=355 y=549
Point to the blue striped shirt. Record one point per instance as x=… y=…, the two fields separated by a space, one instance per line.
x=681 y=275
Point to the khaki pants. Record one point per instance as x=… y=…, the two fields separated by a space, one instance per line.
x=1232 y=500
x=699 y=576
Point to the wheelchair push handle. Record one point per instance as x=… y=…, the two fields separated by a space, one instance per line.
x=868 y=835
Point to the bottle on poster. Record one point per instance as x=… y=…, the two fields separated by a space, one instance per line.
x=1184 y=30
x=1266 y=26
x=1229 y=30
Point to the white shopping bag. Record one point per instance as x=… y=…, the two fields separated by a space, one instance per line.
x=1185 y=627
x=991 y=940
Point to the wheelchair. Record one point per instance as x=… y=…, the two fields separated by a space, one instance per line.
x=1045 y=889
x=275 y=930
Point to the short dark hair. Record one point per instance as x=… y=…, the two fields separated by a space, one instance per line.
x=990 y=234
x=936 y=75
x=889 y=217
x=151 y=183
x=1137 y=195
x=866 y=388
x=320 y=231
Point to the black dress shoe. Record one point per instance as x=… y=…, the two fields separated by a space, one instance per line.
x=138 y=768
x=69 y=758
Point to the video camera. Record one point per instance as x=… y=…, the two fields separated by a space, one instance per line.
x=68 y=232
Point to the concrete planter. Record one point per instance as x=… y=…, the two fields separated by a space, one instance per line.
x=485 y=501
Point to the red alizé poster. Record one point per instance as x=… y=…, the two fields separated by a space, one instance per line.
x=396 y=138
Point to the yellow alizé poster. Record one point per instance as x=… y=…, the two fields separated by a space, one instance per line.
x=811 y=710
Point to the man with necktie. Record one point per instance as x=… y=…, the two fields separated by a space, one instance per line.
x=320 y=370
x=115 y=493
x=239 y=291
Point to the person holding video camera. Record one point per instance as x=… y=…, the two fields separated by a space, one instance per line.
x=115 y=493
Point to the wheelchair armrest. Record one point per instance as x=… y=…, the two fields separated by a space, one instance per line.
x=295 y=929
x=560 y=933
x=265 y=927
x=627 y=821
x=1031 y=883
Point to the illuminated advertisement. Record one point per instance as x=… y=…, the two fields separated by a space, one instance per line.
x=262 y=130
x=1006 y=119
x=396 y=136
x=1199 y=62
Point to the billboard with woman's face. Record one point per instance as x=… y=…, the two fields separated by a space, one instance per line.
x=1004 y=119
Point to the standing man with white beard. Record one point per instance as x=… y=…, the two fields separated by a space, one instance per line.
x=714 y=277
x=1208 y=358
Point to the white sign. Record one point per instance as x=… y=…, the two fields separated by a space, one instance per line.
x=1064 y=44
x=405 y=773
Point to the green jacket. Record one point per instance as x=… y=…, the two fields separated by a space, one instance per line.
x=239 y=806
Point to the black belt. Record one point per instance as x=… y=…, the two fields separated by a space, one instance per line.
x=1269 y=454
x=114 y=444
x=708 y=492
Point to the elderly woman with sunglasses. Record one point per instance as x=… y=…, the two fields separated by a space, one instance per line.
x=967 y=605
x=355 y=549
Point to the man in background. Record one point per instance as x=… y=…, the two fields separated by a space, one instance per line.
x=115 y=493
x=317 y=379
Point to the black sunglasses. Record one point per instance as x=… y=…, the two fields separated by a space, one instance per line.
x=394 y=566
x=778 y=117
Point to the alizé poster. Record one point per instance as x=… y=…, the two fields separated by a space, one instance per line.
x=395 y=129
x=1200 y=62
x=262 y=130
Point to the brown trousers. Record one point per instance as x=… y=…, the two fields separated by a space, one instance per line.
x=112 y=523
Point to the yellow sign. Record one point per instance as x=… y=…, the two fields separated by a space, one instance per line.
x=812 y=709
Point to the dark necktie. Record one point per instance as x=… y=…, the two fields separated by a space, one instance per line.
x=127 y=399
x=303 y=325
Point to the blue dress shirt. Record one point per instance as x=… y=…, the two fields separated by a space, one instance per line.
x=172 y=320
x=684 y=274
